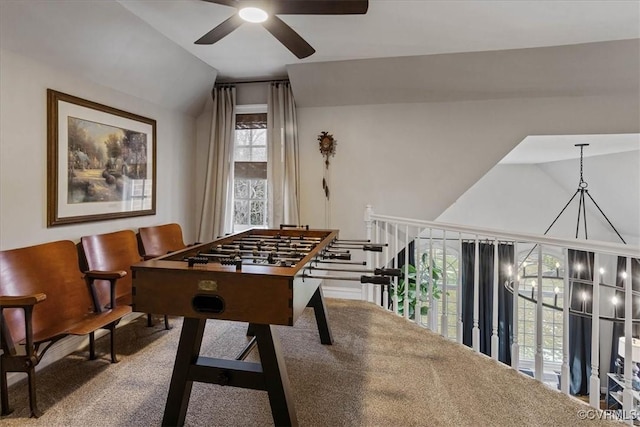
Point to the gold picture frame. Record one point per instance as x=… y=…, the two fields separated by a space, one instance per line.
x=101 y=161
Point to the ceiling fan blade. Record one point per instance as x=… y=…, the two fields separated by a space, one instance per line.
x=288 y=37
x=319 y=7
x=221 y=30
x=232 y=3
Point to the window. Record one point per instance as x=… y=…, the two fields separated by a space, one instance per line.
x=250 y=172
x=552 y=290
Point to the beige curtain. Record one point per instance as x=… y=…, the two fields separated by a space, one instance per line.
x=217 y=209
x=283 y=173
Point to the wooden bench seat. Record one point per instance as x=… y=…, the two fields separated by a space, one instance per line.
x=44 y=297
x=159 y=240
x=113 y=253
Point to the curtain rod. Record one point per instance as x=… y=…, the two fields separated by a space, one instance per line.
x=226 y=83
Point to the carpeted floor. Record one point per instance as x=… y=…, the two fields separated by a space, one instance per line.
x=381 y=371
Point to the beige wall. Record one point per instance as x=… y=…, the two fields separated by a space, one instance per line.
x=23 y=158
x=414 y=160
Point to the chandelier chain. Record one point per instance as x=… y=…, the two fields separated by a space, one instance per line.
x=582 y=184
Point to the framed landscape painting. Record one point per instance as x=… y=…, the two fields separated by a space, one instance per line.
x=101 y=161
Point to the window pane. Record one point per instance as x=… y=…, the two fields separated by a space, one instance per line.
x=259 y=154
x=260 y=137
x=243 y=137
x=242 y=154
x=241 y=189
x=257 y=213
x=241 y=212
x=258 y=189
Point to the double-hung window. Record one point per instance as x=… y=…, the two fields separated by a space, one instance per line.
x=250 y=172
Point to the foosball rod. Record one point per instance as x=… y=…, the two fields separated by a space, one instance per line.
x=227 y=252
x=245 y=247
x=395 y=272
x=247 y=349
x=281 y=238
x=239 y=245
x=339 y=262
x=373 y=247
x=250 y=257
x=376 y=280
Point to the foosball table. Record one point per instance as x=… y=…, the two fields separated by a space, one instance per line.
x=265 y=277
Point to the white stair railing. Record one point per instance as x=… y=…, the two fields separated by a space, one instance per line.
x=428 y=237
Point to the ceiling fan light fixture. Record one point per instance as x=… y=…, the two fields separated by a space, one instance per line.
x=253 y=14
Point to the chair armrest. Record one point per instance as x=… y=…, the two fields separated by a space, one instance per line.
x=112 y=276
x=105 y=275
x=22 y=300
x=26 y=303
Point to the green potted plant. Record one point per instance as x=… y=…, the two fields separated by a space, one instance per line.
x=410 y=281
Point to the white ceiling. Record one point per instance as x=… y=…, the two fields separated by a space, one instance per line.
x=146 y=48
x=552 y=148
x=391 y=28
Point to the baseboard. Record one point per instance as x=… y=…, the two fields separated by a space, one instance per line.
x=66 y=346
x=341 y=292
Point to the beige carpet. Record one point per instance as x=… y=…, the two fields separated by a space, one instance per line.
x=381 y=371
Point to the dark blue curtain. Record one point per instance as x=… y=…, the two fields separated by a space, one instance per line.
x=581 y=277
x=485 y=289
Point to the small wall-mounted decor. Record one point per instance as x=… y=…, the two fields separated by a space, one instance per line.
x=101 y=161
x=327 y=148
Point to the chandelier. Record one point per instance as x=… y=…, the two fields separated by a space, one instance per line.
x=577 y=294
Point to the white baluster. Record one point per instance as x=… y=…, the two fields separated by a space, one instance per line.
x=476 y=298
x=459 y=291
x=418 y=258
x=376 y=289
x=627 y=396
x=385 y=292
x=495 y=341
x=433 y=320
x=365 y=293
x=405 y=300
x=395 y=265
x=515 y=347
x=566 y=376
x=539 y=363
x=594 y=381
x=443 y=319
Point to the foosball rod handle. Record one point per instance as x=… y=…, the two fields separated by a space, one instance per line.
x=395 y=272
x=341 y=256
x=376 y=280
x=297 y=227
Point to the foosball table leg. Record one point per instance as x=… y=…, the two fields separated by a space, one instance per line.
x=320 y=310
x=275 y=376
x=175 y=410
x=250 y=330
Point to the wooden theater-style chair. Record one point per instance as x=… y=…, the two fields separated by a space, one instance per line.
x=114 y=252
x=160 y=240
x=43 y=299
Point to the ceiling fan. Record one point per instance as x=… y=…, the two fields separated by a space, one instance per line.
x=265 y=11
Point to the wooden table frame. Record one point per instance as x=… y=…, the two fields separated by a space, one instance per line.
x=270 y=374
